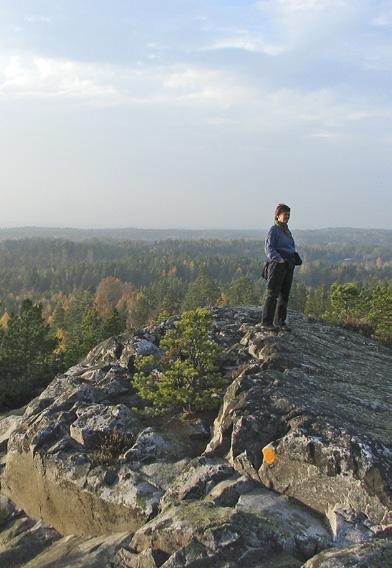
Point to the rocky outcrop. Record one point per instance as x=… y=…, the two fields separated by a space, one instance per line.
x=260 y=525
x=377 y=553
x=321 y=398
x=295 y=468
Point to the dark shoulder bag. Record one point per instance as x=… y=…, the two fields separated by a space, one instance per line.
x=264 y=272
x=297 y=259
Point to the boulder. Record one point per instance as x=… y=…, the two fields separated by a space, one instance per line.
x=376 y=553
x=147 y=559
x=226 y=493
x=77 y=498
x=197 y=479
x=195 y=555
x=8 y=511
x=302 y=531
x=95 y=465
x=79 y=552
x=97 y=419
x=22 y=539
x=7 y=426
x=248 y=533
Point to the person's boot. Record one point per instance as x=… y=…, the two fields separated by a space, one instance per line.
x=269 y=327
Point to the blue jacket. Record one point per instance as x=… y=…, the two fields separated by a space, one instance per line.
x=278 y=245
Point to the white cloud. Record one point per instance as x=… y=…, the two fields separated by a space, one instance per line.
x=190 y=84
x=309 y=25
x=327 y=109
x=289 y=6
x=23 y=76
x=226 y=98
x=326 y=136
x=247 y=43
x=30 y=77
x=38 y=19
x=383 y=20
x=379 y=59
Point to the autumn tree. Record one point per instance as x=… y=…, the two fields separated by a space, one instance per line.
x=109 y=292
x=4 y=319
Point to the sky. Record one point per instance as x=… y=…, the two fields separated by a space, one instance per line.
x=195 y=113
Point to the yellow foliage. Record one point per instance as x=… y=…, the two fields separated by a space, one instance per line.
x=109 y=292
x=5 y=318
x=223 y=299
x=61 y=336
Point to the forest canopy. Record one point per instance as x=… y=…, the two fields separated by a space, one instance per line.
x=71 y=295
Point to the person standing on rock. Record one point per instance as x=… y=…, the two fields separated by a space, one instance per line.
x=282 y=258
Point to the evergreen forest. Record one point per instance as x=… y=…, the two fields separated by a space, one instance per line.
x=59 y=298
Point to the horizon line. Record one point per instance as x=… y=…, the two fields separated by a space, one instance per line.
x=70 y=228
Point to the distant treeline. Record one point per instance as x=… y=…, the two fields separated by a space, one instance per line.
x=36 y=267
x=333 y=236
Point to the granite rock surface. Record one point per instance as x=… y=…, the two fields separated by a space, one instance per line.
x=89 y=481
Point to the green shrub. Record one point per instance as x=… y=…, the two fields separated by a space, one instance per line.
x=186 y=377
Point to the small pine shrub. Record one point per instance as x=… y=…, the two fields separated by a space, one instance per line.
x=186 y=378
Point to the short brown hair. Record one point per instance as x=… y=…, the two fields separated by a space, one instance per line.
x=281 y=208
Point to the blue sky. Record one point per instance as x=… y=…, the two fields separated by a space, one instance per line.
x=195 y=113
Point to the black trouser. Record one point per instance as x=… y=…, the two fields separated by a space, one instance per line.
x=280 y=278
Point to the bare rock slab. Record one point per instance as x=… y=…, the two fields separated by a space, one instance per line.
x=373 y=554
x=251 y=532
x=322 y=397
